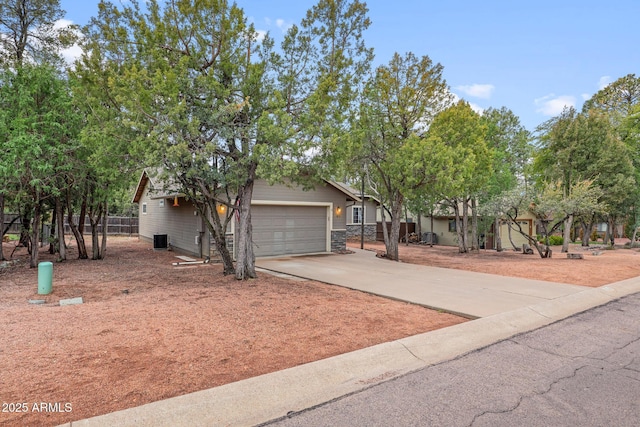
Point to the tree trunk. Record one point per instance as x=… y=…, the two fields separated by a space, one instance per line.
x=35 y=234
x=385 y=231
x=586 y=232
x=497 y=235
x=105 y=229
x=82 y=247
x=474 y=226
x=59 y=215
x=607 y=233
x=462 y=247
x=432 y=234
x=396 y=218
x=406 y=226
x=218 y=231
x=2 y=258
x=635 y=235
x=246 y=262
x=566 y=235
x=363 y=214
x=465 y=224
x=515 y=248
x=95 y=218
x=611 y=230
x=52 y=232
x=25 y=232
x=83 y=215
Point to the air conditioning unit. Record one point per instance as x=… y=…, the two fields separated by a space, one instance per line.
x=160 y=241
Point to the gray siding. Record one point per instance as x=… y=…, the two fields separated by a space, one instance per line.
x=262 y=191
x=178 y=222
x=369 y=212
x=182 y=226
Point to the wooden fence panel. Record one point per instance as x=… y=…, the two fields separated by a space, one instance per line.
x=116 y=225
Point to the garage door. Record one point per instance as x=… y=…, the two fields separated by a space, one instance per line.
x=283 y=230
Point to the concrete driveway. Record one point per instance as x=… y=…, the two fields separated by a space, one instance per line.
x=466 y=293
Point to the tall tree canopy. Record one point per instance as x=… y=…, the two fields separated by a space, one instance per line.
x=28 y=31
x=28 y=35
x=509 y=143
x=38 y=127
x=400 y=101
x=461 y=163
x=576 y=147
x=617 y=98
x=214 y=105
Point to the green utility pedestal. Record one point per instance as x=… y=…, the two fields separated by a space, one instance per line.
x=45 y=278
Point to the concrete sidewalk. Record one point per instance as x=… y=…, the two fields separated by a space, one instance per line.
x=271 y=396
x=461 y=292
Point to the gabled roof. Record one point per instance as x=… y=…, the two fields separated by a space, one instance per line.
x=145 y=179
x=142 y=182
x=343 y=189
x=355 y=193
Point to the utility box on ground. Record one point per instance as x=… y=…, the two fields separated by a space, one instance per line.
x=45 y=278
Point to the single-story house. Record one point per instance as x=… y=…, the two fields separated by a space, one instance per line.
x=286 y=219
x=357 y=212
x=444 y=227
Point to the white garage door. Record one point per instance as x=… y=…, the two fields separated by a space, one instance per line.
x=283 y=230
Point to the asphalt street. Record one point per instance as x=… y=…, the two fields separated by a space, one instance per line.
x=581 y=371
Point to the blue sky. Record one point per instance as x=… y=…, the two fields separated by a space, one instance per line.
x=531 y=57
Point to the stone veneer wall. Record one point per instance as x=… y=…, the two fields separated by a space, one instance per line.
x=338 y=240
x=353 y=231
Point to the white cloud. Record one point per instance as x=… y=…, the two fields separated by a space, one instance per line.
x=62 y=23
x=552 y=105
x=483 y=91
x=475 y=107
x=585 y=96
x=283 y=25
x=604 y=82
x=74 y=52
x=280 y=24
x=261 y=34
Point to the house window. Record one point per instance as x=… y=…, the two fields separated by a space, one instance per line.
x=452 y=225
x=144 y=208
x=357 y=215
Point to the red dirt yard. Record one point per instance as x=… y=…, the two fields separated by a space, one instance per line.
x=598 y=267
x=148 y=331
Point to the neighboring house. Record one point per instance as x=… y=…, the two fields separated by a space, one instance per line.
x=285 y=219
x=444 y=227
x=357 y=214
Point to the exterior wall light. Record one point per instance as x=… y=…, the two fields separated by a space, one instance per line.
x=338 y=211
x=221 y=209
x=175 y=201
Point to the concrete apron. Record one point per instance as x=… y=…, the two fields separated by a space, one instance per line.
x=465 y=293
x=268 y=397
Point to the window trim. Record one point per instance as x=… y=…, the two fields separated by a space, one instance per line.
x=362 y=214
x=144 y=208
